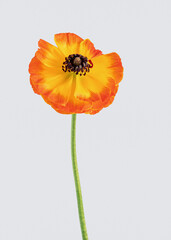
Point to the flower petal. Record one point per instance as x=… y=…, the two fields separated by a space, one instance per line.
x=68 y=43
x=95 y=92
x=49 y=55
x=107 y=66
x=65 y=102
x=46 y=75
x=100 y=85
x=88 y=50
x=56 y=87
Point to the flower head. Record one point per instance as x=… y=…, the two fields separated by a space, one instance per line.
x=74 y=77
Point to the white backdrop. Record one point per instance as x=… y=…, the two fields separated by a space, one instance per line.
x=123 y=152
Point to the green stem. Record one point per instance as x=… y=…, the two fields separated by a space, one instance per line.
x=77 y=180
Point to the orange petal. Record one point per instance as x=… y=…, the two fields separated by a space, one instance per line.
x=56 y=88
x=35 y=66
x=88 y=50
x=46 y=68
x=68 y=43
x=93 y=91
x=71 y=107
x=100 y=85
x=49 y=55
x=107 y=66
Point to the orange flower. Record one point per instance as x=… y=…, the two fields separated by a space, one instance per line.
x=75 y=77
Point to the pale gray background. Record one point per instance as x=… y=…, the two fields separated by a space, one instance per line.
x=123 y=152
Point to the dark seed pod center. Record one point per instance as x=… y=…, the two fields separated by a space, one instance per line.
x=77 y=63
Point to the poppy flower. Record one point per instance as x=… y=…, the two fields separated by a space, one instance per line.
x=74 y=77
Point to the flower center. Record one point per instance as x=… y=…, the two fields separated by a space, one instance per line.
x=77 y=63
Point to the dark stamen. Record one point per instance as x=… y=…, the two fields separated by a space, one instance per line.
x=77 y=63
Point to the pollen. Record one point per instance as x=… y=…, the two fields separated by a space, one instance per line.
x=78 y=64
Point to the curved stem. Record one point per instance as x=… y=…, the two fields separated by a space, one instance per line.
x=77 y=180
